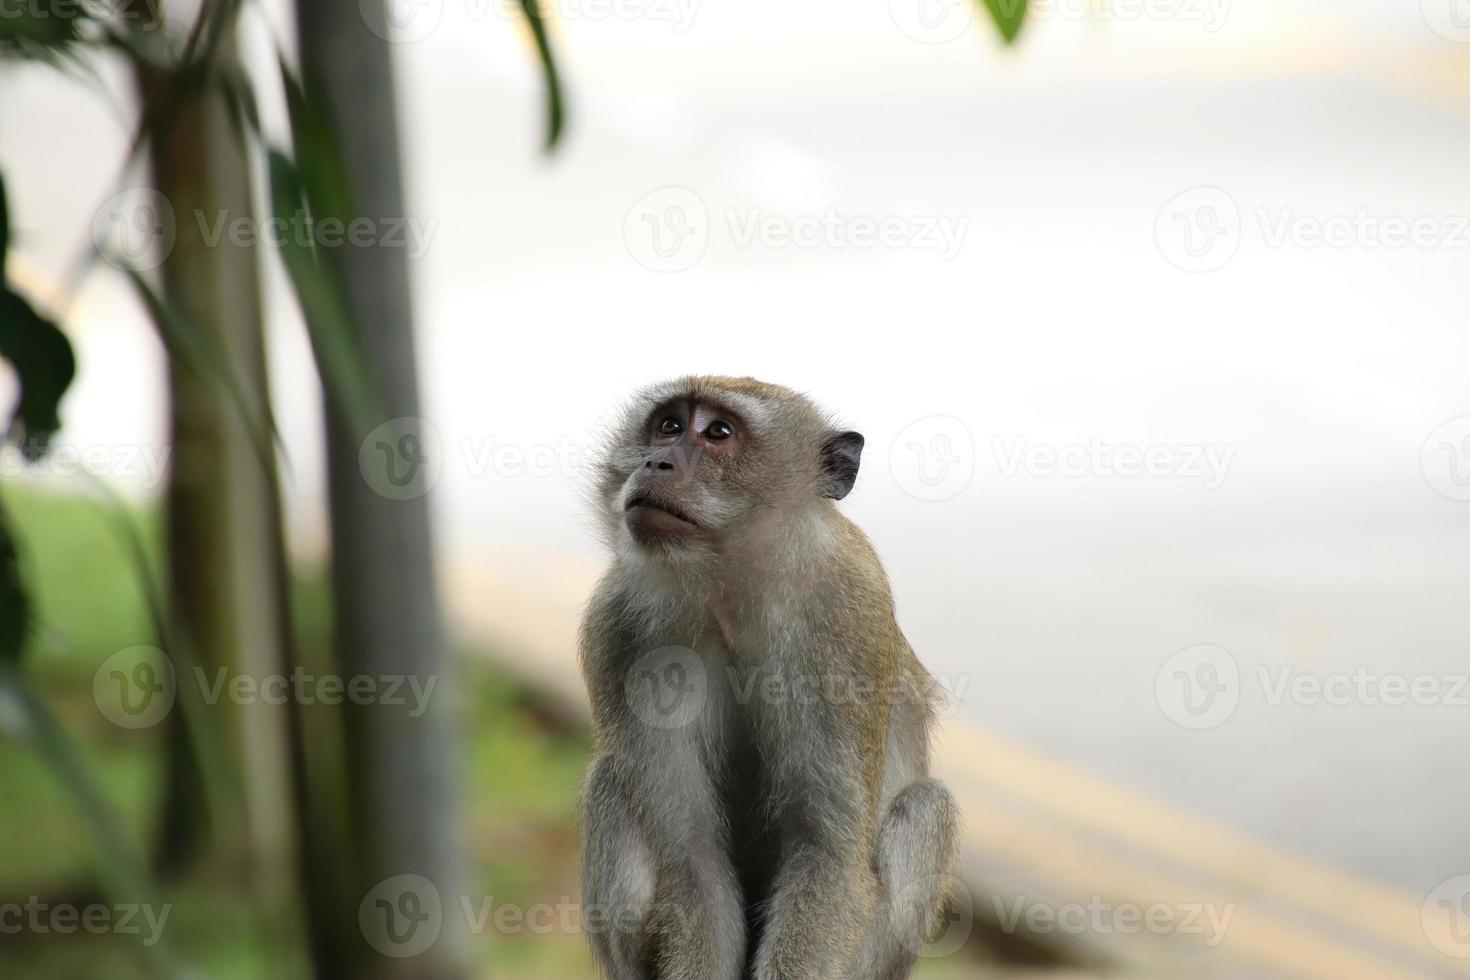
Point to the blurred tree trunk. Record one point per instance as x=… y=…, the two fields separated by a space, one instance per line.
x=225 y=563
x=401 y=769
x=228 y=575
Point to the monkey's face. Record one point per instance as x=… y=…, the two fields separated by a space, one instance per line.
x=696 y=457
x=702 y=461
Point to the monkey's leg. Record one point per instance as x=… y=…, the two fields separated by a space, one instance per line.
x=914 y=849
x=656 y=843
x=617 y=877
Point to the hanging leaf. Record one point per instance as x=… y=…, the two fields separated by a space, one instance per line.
x=15 y=609
x=318 y=161
x=35 y=31
x=121 y=869
x=44 y=367
x=4 y=225
x=1008 y=15
x=555 y=101
x=333 y=342
x=200 y=352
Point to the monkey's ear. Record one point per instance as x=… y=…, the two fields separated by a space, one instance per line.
x=840 y=456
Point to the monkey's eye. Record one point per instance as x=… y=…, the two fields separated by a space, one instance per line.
x=719 y=429
x=670 y=426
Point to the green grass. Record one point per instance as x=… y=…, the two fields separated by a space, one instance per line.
x=520 y=782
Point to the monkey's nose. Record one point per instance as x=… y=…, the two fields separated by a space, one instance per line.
x=663 y=464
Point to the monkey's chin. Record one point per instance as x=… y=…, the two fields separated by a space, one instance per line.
x=650 y=525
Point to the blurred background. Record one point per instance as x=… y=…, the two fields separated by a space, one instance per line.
x=1152 y=312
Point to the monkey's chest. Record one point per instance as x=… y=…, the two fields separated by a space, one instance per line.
x=754 y=838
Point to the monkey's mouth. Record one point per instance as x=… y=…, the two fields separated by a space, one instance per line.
x=643 y=500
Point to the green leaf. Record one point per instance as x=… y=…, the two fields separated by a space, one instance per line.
x=121 y=869
x=195 y=348
x=555 y=100
x=15 y=608
x=4 y=226
x=44 y=365
x=319 y=292
x=1008 y=15
x=323 y=176
x=37 y=31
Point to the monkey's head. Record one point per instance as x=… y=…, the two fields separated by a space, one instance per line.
x=698 y=462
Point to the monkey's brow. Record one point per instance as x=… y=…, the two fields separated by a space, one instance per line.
x=724 y=406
